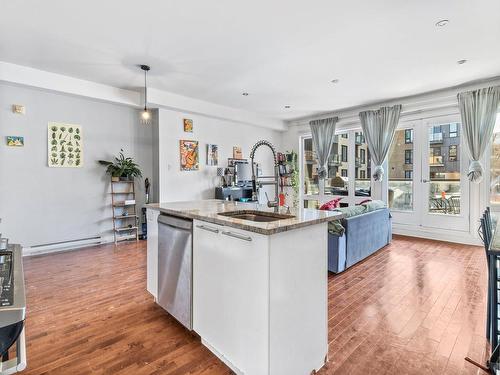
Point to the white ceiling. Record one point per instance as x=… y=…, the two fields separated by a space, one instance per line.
x=283 y=52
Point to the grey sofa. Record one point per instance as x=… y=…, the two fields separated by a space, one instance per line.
x=364 y=234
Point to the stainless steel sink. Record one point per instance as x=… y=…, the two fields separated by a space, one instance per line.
x=257 y=216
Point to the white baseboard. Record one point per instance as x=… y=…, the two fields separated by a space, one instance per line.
x=436 y=234
x=65 y=246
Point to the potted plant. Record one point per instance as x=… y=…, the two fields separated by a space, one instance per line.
x=122 y=168
x=292 y=160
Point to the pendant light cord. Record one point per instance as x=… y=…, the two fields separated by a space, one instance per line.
x=145 y=90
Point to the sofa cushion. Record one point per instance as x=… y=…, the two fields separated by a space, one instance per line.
x=351 y=211
x=374 y=205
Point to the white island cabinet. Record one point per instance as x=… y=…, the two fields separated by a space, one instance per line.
x=152 y=252
x=260 y=301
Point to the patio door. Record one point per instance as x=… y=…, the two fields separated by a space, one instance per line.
x=444 y=187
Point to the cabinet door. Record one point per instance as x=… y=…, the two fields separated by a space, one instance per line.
x=231 y=295
x=152 y=252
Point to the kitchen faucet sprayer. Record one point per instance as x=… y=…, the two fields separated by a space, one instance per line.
x=275 y=178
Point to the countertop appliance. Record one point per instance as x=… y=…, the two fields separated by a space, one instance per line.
x=175 y=267
x=12 y=310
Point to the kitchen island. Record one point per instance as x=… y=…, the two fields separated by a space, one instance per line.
x=259 y=283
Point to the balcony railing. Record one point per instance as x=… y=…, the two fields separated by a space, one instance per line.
x=436 y=137
x=334 y=160
x=359 y=139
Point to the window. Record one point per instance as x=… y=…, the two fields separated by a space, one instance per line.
x=408 y=156
x=408 y=136
x=344 y=152
x=310 y=168
x=452 y=153
x=359 y=138
x=334 y=183
x=400 y=173
x=311 y=203
x=444 y=195
x=346 y=178
x=495 y=167
x=435 y=134
x=453 y=130
x=435 y=157
x=362 y=181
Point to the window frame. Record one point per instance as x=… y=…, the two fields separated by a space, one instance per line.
x=455 y=156
x=408 y=160
x=455 y=132
x=362 y=155
x=321 y=196
x=408 y=139
x=344 y=157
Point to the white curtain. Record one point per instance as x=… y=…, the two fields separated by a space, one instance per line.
x=379 y=128
x=478 y=109
x=323 y=136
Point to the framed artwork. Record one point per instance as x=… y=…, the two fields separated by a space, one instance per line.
x=15 y=141
x=212 y=154
x=188 y=125
x=237 y=154
x=65 y=146
x=189 y=155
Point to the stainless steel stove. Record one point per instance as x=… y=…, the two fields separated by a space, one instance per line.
x=12 y=310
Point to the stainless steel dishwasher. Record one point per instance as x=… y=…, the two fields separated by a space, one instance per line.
x=175 y=267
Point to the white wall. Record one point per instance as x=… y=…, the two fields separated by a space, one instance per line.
x=40 y=205
x=177 y=185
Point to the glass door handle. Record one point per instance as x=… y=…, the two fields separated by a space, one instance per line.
x=424 y=180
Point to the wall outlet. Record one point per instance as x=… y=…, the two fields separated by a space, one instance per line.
x=19 y=109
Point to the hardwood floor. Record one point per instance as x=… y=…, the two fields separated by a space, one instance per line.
x=415 y=307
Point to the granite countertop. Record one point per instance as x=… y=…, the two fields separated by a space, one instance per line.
x=209 y=210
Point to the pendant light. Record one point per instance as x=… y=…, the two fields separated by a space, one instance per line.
x=145 y=114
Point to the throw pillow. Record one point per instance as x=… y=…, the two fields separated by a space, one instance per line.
x=331 y=205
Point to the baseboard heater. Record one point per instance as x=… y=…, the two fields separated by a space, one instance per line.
x=62 y=245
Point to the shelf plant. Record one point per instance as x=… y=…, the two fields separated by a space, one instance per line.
x=292 y=160
x=122 y=168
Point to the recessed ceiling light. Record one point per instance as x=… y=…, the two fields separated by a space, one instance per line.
x=245 y=94
x=287 y=106
x=461 y=62
x=442 y=23
x=335 y=80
